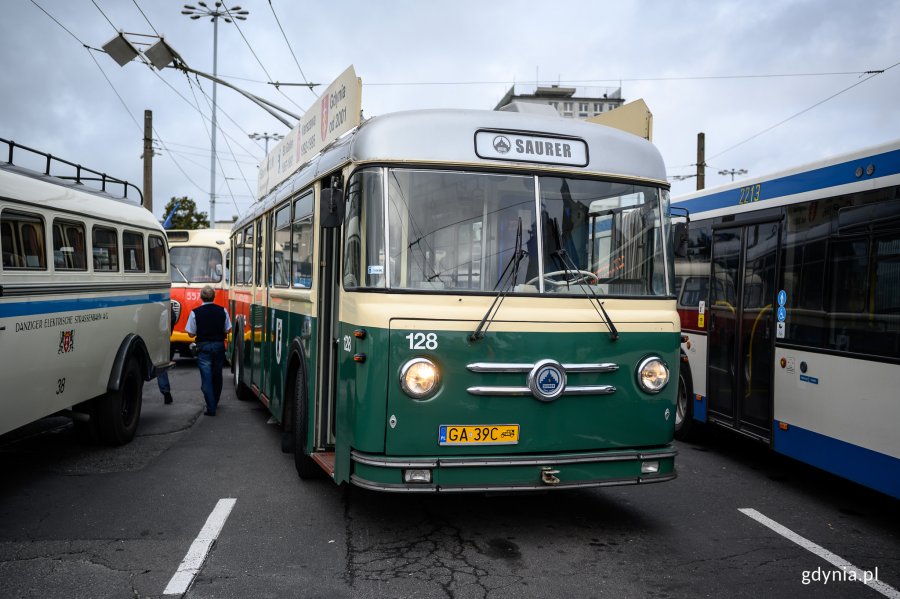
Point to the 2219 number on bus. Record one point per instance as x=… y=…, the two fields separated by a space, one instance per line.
x=486 y=434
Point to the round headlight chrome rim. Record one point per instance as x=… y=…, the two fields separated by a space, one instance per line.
x=409 y=369
x=644 y=365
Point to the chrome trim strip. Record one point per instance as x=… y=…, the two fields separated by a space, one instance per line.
x=505 y=391
x=385 y=207
x=518 y=367
x=392 y=488
x=498 y=367
x=392 y=463
x=521 y=391
x=590 y=390
x=552 y=460
x=539 y=226
x=603 y=367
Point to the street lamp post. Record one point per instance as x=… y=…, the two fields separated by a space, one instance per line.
x=214 y=14
x=733 y=172
x=267 y=137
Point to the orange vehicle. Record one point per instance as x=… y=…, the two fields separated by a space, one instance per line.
x=199 y=258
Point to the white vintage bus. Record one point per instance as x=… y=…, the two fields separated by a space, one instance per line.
x=84 y=298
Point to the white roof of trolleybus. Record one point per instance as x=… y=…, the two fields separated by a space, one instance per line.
x=829 y=176
x=27 y=188
x=447 y=137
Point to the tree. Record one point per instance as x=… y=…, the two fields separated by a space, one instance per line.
x=186 y=215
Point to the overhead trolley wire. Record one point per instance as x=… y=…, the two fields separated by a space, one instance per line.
x=296 y=62
x=262 y=66
x=104 y=15
x=226 y=137
x=146 y=19
x=871 y=75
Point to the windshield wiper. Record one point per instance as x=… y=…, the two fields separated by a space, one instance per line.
x=514 y=261
x=181 y=274
x=561 y=255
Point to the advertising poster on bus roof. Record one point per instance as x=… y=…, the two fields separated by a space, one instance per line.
x=334 y=113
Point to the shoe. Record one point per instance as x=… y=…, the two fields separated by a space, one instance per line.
x=205 y=413
x=167 y=398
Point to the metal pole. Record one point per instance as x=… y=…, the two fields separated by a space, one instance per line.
x=701 y=160
x=148 y=160
x=212 y=162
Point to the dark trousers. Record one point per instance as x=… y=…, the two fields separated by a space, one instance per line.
x=210 y=361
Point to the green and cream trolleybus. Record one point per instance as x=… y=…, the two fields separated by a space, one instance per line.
x=451 y=300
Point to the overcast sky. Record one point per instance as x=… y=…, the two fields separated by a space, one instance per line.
x=683 y=58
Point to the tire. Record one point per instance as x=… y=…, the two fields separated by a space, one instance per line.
x=288 y=438
x=307 y=468
x=240 y=388
x=118 y=412
x=685 y=425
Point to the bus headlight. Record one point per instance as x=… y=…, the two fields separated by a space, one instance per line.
x=652 y=374
x=420 y=378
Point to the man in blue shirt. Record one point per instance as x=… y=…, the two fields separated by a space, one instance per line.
x=209 y=323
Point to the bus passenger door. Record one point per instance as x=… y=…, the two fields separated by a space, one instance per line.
x=327 y=339
x=742 y=327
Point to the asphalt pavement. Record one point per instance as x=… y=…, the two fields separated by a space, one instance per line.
x=82 y=521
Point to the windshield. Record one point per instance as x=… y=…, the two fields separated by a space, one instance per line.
x=456 y=231
x=196 y=264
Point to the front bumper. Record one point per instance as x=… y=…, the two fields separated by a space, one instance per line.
x=514 y=472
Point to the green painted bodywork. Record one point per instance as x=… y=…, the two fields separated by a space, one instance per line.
x=368 y=394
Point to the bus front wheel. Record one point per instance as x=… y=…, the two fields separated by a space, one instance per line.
x=118 y=412
x=684 y=407
x=306 y=466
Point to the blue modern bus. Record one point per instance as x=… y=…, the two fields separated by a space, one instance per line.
x=789 y=299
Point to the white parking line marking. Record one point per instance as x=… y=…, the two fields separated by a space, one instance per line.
x=199 y=549
x=835 y=560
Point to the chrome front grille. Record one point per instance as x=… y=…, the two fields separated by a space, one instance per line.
x=528 y=369
x=176 y=310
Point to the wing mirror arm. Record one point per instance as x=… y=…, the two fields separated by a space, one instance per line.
x=331 y=207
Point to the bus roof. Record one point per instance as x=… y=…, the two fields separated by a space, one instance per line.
x=448 y=137
x=44 y=191
x=867 y=168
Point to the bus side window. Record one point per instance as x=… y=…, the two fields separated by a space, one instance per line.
x=247 y=258
x=133 y=244
x=281 y=252
x=156 y=253
x=105 y=249
x=23 y=241
x=68 y=246
x=301 y=243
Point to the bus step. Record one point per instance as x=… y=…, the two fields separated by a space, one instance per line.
x=325 y=459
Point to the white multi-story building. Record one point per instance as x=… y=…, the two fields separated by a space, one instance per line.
x=570 y=102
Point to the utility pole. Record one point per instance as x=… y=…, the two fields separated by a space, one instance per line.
x=701 y=160
x=148 y=160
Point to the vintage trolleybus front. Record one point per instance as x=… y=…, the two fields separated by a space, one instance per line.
x=198 y=259
x=495 y=313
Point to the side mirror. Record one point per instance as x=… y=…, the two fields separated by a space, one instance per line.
x=680 y=231
x=331 y=207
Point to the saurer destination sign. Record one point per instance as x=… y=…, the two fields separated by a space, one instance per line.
x=522 y=147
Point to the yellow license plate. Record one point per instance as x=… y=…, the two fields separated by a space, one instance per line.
x=483 y=434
